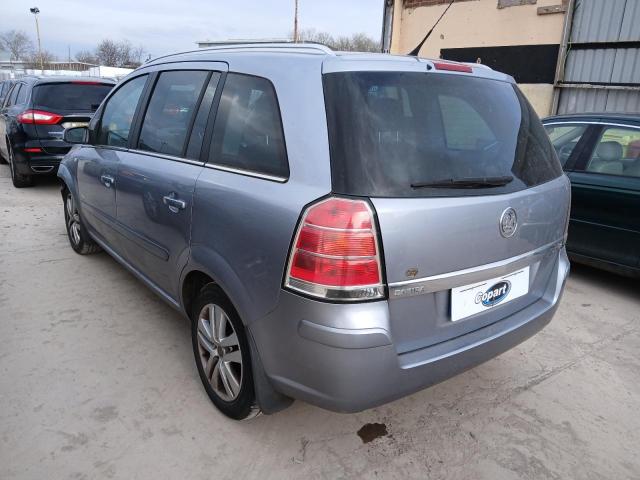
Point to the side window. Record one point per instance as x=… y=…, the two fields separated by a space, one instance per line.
x=117 y=117
x=200 y=124
x=464 y=128
x=171 y=108
x=22 y=95
x=248 y=131
x=617 y=152
x=6 y=93
x=5 y=98
x=13 y=95
x=564 y=139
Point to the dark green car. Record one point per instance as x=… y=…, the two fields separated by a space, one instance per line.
x=601 y=155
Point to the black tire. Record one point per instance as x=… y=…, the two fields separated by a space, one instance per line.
x=244 y=405
x=79 y=238
x=18 y=180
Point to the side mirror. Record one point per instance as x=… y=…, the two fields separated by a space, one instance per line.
x=76 y=135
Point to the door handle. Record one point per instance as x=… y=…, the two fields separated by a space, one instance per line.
x=174 y=204
x=107 y=180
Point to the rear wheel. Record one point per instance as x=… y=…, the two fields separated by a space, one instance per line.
x=79 y=238
x=222 y=354
x=18 y=180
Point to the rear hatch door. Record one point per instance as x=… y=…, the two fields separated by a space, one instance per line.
x=470 y=197
x=72 y=102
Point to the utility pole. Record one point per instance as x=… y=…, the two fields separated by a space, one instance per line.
x=295 y=24
x=36 y=11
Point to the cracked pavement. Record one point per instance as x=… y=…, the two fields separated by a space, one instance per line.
x=97 y=380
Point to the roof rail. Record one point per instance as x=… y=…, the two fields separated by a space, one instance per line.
x=249 y=45
x=255 y=45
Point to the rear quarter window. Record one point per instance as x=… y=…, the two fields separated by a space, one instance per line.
x=11 y=100
x=4 y=89
x=248 y=132
x=23 y=95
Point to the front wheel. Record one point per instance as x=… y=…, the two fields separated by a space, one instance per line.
x=79 y=238
x=222 y=354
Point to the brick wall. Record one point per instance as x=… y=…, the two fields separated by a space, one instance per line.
x=427 y=3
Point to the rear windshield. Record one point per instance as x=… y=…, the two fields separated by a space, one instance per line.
x=396 y=134
x=70 y=96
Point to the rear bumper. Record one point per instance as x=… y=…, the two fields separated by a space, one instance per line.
x=342 y=357
x=36 y=163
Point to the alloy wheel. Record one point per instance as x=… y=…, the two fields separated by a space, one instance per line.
x=73 y=220
x=219 y=352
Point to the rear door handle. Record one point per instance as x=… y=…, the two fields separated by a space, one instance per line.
x=174 y=204
x=107 y=180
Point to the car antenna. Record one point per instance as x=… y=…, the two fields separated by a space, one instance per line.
x=415 y=51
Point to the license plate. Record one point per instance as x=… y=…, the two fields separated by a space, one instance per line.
x=481 y=296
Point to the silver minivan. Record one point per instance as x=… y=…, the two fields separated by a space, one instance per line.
x=343 y=229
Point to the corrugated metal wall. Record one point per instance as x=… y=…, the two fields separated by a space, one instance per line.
x=602 y=70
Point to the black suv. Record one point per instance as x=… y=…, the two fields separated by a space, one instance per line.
x=34 y=115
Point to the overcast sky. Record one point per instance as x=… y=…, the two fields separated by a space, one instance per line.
x=164 y=27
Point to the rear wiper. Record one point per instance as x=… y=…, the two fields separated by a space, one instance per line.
x=477 y=182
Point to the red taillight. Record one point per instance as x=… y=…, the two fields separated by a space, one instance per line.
x=453 y=67
x=33 y=150
x=335 y=254
x=340 y=213
x=327 y=242
x=39 y=117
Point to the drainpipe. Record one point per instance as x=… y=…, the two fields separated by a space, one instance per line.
x=562 y=56
x=387 y=26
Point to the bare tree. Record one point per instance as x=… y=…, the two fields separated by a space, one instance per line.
x=342 y=43
x=17 y=43
x=47 y=57
x=124 y=53
x=130 y=56
x=358 y=42
x=361 y=42
x=312 y=35
x=137 y=56
x=86 y=56
x=108 y=53
x=115 y=54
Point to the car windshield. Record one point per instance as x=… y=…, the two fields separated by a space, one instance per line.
x=413 y=134
x=76 y=96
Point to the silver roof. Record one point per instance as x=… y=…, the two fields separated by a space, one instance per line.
x=328 y=59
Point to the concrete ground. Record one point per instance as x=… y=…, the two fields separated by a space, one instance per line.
x=97 y=380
